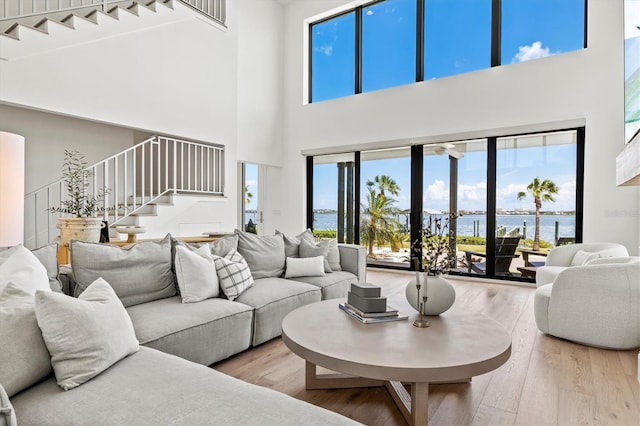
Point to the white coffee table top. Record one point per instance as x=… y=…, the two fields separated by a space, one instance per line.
x=458 y=344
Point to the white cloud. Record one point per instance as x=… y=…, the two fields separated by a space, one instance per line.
x=326 y=50
x=436 y=191
x=369 y=12
x=535 y=51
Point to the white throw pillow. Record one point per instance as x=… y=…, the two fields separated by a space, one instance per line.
x=24 y=358
x=582 y=257
x=84 y=336
x=305 y=267
x=196 y=274
x=234 y=274
x=21 y=267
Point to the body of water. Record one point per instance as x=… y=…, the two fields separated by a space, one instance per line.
x=566 y=224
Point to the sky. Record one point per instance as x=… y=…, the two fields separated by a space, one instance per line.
x=457 y=40
x=516 y=169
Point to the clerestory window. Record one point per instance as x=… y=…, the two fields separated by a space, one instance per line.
x=388 y=43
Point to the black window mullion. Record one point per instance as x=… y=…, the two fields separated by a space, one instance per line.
x=310 y=53
x=356 y=196
x=586 y=26
x=358 y=52
x=419 y=40
x=310 y=192
x=579 y=183
x=491 y=206
x=417 y=169
x=496 y=32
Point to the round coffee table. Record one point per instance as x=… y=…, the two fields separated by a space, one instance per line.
x=457 y=346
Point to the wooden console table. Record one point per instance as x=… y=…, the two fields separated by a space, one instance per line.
x=64 y=254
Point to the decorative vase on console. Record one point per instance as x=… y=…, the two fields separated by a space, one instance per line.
x=440 y=294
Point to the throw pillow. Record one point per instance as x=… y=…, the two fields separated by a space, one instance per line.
x=138 y=273
x=309 y=249
x=581 y=257
x=224 y=245
x=305 y=267
x=21 y=267
x=7 y=415
x=87 y=335
x=24 y=359
x=196 y=274
x=264 y=254
x=333 y=256
x=48 y=256
x=292 y=244
x=234 y=274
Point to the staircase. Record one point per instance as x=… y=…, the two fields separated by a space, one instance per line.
x=139 y=181
x=28 y=27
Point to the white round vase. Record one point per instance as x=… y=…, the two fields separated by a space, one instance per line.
x=440 y=294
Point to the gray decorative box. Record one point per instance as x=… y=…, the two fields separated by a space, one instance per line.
x=365 y=290
x=367 y=304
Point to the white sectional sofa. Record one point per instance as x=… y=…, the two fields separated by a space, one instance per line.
x=166 y=380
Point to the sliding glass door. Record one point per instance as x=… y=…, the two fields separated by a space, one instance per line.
x=509 y=200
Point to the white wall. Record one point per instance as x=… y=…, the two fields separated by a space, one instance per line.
x=260 y=81
x=576 y=88
x=48 y=135
x=177 y=79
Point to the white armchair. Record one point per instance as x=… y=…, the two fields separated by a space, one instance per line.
x=596 y=304
x=562 y=257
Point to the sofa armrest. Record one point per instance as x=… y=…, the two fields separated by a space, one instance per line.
x=353 y=258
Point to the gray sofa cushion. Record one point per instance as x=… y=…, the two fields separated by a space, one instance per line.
x=138 y=273
x=264 y=254
x=48 y=256
x=203 y=332
x=273 y=298
x=154 y=388
x=24 y=358
x=334 y=285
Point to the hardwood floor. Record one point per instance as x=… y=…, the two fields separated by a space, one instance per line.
x=546 y=381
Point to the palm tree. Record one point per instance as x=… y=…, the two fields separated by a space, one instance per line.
x=247 y=195
x=379 y=216
x=384 y=183
x=541 y=191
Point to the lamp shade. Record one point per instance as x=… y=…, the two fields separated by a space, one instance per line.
x=11 y=189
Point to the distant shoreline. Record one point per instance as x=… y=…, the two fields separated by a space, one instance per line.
x=477 y=213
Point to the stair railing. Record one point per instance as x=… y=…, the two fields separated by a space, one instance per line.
x=132 y=179
x=15 y=9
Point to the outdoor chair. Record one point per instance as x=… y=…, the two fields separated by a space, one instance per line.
x=505 y=252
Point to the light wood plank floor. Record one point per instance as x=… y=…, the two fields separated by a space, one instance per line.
x=547 y=381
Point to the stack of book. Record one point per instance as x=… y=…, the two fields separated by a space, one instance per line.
x=365 y=304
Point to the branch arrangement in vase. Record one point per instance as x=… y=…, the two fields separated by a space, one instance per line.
x=76 y=178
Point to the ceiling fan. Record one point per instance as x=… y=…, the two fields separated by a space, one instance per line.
x=447 y=148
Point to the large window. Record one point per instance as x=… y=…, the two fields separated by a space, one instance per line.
x=533 y=29
x=332 y=45
x=334 y=200
x=457 y=37
x=387 y=43
x=385 y=198
x=512 y=199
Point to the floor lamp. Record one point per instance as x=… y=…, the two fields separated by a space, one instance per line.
x=11 y=189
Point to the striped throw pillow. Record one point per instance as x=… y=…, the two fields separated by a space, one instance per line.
x=234 y=274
